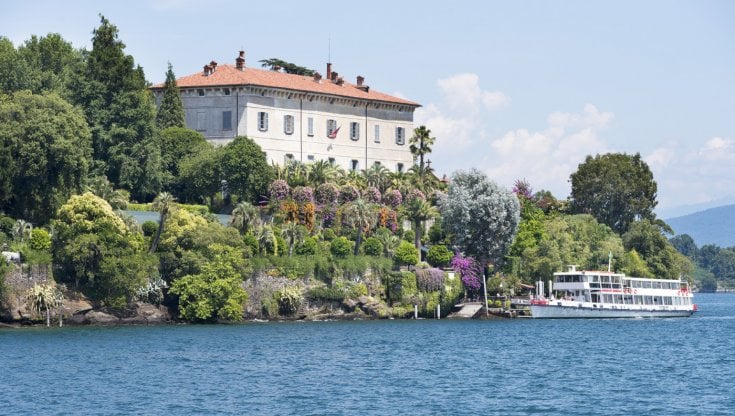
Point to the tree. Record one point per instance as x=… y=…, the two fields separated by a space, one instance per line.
x=617 y=189
x=45 y=153
x=421 y=143
x=164 y=204
x=245 y=216
x=22 y=229
x=684 y=243
x=216 y=292
x=406 y=254
x=93 y=248
x=723 y=265
x=200 y=176
x=246 y=169
x=293 y=233
x=44 y=298
x=648 y=239
x=439 y=255
x=178 y=144
x=418 y=210
x=482 y=217
x=276 y=64
x=171 y=110
x=361 y=215
x=378 y=176
x=121 y=114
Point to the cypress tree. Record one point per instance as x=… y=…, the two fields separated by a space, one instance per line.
x=171 y=111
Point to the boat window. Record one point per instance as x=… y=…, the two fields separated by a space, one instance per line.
x=647 y=284
x=657 y=285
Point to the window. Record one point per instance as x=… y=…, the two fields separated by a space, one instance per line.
x=331 y=161
x=200 y=92
x=226 y=120
x=354 y=165
x=355 y=131
x=399 y=167
x=310 y=158
x=400 y=136
x=201 y=121
x=332 y=129
x=288 y=159
x=288 y=124
x=226 y=91
x=310 y=126
x=262 y=121
x=377 y=133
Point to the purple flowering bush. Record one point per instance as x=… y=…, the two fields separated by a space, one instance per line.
x=303 y=194
x=393 y=198
x=279 y=190
x=371 y=194
x=415 y=194
x=469 y=270
x=326 y=193
x=348 y=193
x=429 y=280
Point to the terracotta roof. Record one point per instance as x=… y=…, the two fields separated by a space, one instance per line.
x=229 y=75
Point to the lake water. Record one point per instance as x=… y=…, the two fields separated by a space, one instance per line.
x=680 y=366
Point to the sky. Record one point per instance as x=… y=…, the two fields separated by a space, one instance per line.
x=518 y=89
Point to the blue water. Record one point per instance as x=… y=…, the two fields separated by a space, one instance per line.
x=679 y=366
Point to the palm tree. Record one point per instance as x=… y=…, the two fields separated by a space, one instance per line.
x=390 y=242
x=21 y=229
x=244 y=216
x=321 y=172
x=43 y=298
x=421 y=143
x=361 y=215
x=293 y=233
x=419 y=210
x=164 y=204
x=101 y=187
x=266 y=237
x=377 y=176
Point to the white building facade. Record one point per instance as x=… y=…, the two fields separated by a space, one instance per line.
x=295 y=117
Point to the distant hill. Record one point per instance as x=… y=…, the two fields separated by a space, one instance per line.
x=711 y=226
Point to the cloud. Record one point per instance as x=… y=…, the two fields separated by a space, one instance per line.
x=546 y=158
x=693 y=174
x=463 y=94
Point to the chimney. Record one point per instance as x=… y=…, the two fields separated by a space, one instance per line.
x=360 y=80
x=317 y=77
x=207 y=70
x=213 y=64
x=240 y=61
x=334 y=76
x=339 y=80
x=329 y=70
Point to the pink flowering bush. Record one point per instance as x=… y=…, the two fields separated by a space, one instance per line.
x=326 y=193
x=469 y=270
x=303 y=194
x=393 y=198
x=279 y=190
x=371 y=194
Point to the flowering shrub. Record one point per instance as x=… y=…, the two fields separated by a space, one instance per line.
x=307 y=214
x=388 y=219
x=327 y=193
x=348 y=193
x=328 y=214
x=393 y=198
x=290 y=211
x=371 y=194
x=279 y=190
x=469 y=270
x=429 y=280
x=303 y=194
x=415 y=194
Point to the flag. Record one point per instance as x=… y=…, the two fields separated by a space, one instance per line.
x=333 y=135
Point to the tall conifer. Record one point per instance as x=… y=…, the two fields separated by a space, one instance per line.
x=171 y=111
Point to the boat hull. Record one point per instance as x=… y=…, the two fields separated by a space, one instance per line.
x=559 y=312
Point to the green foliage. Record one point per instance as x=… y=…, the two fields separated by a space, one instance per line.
x=308 y=247
x=341 y=247
x=276 y=64
x=615 y=188
x=372 y=247
x=406 y=254
x=328 y=234
x=45 y=153
x=289 y=300
x=216 y=292
x=325 y=293
x=200 y=175
x=439 y=256
x=40 y=239
x=171 y=111
x=251 y=241
x=408 y=235
x=664 y=262
x=482 y=216
x=149 y=228
x=246 y=169
x=95 y=249
x=436 y=232
x=177 y=144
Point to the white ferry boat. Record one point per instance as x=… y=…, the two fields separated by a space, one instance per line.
x=600 y=294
